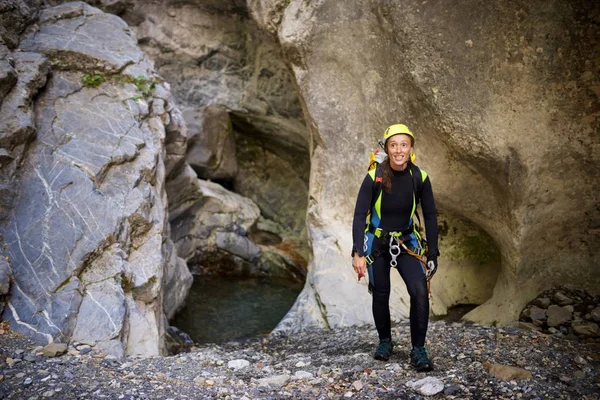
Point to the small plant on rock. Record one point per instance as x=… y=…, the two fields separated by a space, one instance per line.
x=92 y=80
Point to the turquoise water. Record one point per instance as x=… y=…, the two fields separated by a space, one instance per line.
x=220 y=310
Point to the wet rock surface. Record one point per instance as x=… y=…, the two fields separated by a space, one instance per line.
x=315 y=364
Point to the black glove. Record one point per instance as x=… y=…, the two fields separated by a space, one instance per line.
x=431 y=267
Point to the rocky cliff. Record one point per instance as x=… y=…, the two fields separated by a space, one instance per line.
x=503 y=98
x=111 y=129
x=85 y=230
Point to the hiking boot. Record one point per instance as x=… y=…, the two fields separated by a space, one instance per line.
x=384 y=350
x=419 y=359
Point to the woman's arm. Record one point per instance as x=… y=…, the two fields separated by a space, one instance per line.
x=430 y=216
x=363 y=203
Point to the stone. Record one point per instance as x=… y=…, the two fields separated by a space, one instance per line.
x=528 y=326
x=595 y=314
x=211 y=146
x=357 y=385
x=536 y=313
x=506 y=372
x=579 y=374
x=428 y=386
x=586 y=329
x=303 y=375
x=558 y=315
x=276 y=381
x=54 y=349
x=580 y=360
x=543 y=302
x=68 y=36
x=102 y=237
x=452 y=390
x=238 y=364
x=561 y=299
x=210 y=224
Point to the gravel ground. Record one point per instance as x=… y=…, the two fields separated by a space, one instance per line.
x=318 y=364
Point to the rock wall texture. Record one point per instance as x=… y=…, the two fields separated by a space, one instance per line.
x=245 y=131
x=503 y=98
x=86 y=233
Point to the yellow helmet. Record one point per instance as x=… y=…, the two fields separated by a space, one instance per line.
x=397 y=129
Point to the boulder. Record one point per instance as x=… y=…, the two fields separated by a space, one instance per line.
x=211 y=148
x=76 y=36
x=537 y=314
x=470 y=97
x=543 y=302
x=210 y=225
x=561 y=299
x=558 y=315
x=586 y=329
x=88 y=261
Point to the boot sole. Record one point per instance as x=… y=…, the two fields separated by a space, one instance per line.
x=424 y=369
x=380 y=357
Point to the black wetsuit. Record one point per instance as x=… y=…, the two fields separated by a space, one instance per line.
x=396 y=208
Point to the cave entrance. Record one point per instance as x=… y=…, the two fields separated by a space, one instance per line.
x=471 y=265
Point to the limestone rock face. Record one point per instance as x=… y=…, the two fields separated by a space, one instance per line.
x=234 y=89
x=211 y=147
x=87 y=233
x=503 y=103
x=210 y=225
x=15 y=16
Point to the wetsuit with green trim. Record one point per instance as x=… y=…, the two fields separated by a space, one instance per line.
x=396 y=210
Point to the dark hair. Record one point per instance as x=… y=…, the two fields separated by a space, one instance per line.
x=386 y=169
x=387 y=175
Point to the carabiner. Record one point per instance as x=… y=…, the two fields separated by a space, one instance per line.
x=395 y=251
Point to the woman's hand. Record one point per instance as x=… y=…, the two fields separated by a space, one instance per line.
x=360 y=265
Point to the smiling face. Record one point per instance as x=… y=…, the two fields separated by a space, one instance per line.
x=398 y=149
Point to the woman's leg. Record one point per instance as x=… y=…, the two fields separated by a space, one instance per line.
x=381 y=297
x=414 y=277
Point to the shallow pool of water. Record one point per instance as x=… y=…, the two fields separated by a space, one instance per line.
x=224 y=309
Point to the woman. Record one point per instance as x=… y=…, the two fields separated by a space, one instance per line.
x=389 y=240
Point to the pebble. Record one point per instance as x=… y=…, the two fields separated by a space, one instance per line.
x=428 y=386
x=357 y=385
x=238 y=364
x=303 y=375
x=344 y=368
x=276 y=381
